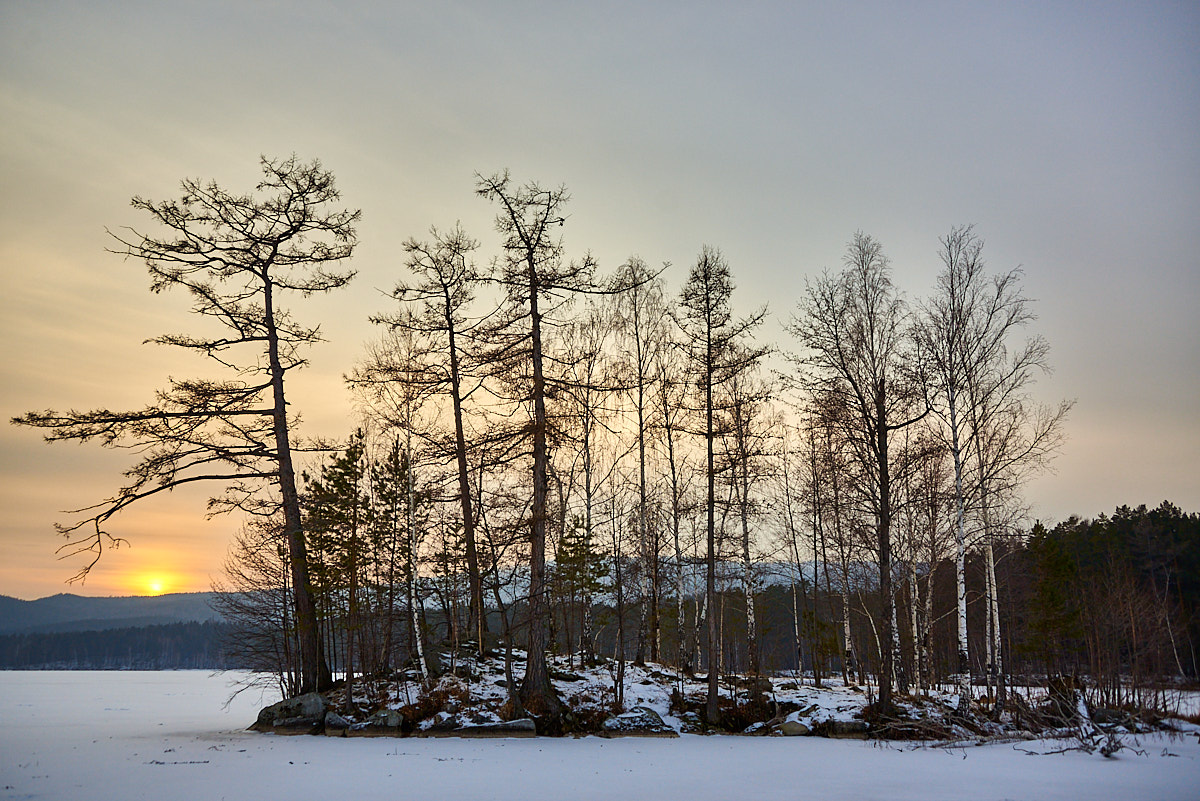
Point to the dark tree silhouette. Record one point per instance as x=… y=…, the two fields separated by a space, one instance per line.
x=854 y=327
x=237 y=256
x=713 y=337
x=537 y=282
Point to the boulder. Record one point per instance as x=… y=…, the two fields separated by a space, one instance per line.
x=1108 y=717
x=304 y=714
x=847 y=729
x=335 y=724
x=384 y=723
x=641 y=721
x=523 y=727
x=390 y=718
x=691 y=723
x=444 y=723
x=794 y=728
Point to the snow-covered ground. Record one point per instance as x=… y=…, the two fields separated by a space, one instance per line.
x=165 y=735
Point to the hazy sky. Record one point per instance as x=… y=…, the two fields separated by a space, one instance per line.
x=1069 y=134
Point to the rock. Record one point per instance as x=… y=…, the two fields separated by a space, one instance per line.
x=757 y=729
x=335 y=724
x=443 y=724
x=524 y=727
x=641 y=721
x=384 y=723
x=847 y=729
x=691 y=723
x=794 y=728
x=369 y=729
x=789 y=685
x=463 y=671
x=389 y=718
x=304 y=714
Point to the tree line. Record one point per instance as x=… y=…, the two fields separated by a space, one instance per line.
x=553 y=457
x=171 y=646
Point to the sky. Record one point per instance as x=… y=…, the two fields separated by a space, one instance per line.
x=1065 y=132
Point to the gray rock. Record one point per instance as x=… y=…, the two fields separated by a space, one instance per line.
x=640 y=721
x=794 y=728
x=293 y=715
x=444 y=724
x=524 y=727
x=335 y=724
x=752 y=684
x=691 y=723
x=388 y=718
x=384 y=723
x=847 y=729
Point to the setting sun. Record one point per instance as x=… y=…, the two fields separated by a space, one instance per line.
x=155 y=585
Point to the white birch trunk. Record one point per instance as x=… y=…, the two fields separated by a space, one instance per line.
x=995 y=657
x=915 y=628
x=847 y=644
x=418 y=635
x=960 y=559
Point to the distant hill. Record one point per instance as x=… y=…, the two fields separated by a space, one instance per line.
x=66 y=612
x=173 y=646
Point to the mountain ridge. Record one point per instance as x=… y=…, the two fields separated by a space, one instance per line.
x=68 y=612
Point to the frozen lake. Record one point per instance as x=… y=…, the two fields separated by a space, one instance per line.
x=164 y=736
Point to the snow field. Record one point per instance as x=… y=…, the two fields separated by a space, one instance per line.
x=94 y=736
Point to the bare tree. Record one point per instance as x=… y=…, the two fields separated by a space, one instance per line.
x=746 y=447
x=536 y=281
x=236 y=256
x=254 y=596
x=980 y=384
x=394 y=377
x=446 y=283
x=712 y=334
x=854 y=328
x=670 y=396
x=641 y=313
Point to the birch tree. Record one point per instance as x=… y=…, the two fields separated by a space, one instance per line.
x=711 y=331
x=853 y=326
x=980 y=381
x=745 y=440
x=641 y=315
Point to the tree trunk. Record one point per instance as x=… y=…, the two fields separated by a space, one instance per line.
x=537 y=692
x=960 y=561
x=477 y=616
x=885 y=552
x=712 y=709
x=314 y=670
x=413 y=600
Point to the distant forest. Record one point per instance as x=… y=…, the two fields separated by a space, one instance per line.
x=174 y=646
